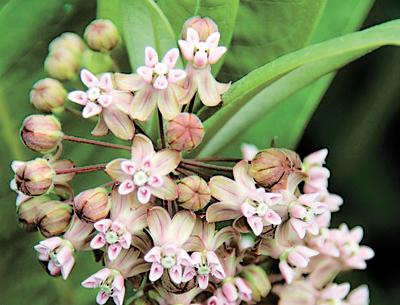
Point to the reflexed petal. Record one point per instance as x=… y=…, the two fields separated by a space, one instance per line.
x=128 y=82
x=128 y=167
x=222 y=211
x=144 y=102
x=187 y=49
x=175 y=75
x=196 y=258
x=213 y=39
x=153 y=256
x=359 y=296
x=188 y=274
x=230 y=292
x=88 y=79
x=106 y=82
x=317 y=158
x=175 y=273
x=113 y=169
x=118 y=297
x=98 y=241
x=247 y=210
x=150 y=57
x=299 y=227
x=168 y=104
x=167 y=191
x=123 y=100
x=102 y=298
x=225 y=189
x=51 y=243
x=272 y=217
x=256 y=224
x=297 y=260
x=241 y=173
x=91 y=109
x=113 y=251
x=67 y=267
x=143 y=194
x=126 y=187
x=119 y=123
x=146 y=73
x=171 y=57
x=79 y=97
x=207 y=89
x=94 y=280
x=159 y=221
x=192 y=36
x=105 y=100
x=297 y=211
x=103 y=225
x=142 y=149
x=216 y=54
x=286 y=272
x=181 y=227
x=165 y=161
x=101 y=128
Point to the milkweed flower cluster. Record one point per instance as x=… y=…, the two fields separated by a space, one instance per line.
x=209 y=231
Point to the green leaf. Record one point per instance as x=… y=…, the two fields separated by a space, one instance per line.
x=256 y=94
x=144 y=24
x=223 y=12
x=299 y=108
x=266 y=30
x=110 y=9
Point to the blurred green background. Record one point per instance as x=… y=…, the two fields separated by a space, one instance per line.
x=358 y=120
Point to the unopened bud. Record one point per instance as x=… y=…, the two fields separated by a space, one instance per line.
x=33 y=178
x=194 y=193
x=102 y=35
x=272 y=167
x=96 y=62
x=184 y=132
x=68 y=41
x=29 y=210
x=258 y=281
x=54 y=218
x=48 y=95
x=204 y=26
x=92 y=205
x=62 y=64
x=41 y=133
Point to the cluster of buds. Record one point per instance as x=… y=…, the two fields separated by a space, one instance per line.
x=182 y=231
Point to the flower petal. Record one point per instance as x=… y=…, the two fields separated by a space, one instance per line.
x=79 y=97
x=143 y=194
x=181 y=227
x=123 y=100
x=272 y=217
x=216 y=54
x=128 y=82
x=175 y=273
x=222 y=211
x=105 y=82
x=102 y=297
x=241 y=173
x=167 y=191
x=159 y=221
x=113 y=169
x=119 y=123
x=91 y=109
x=126 y=187
x=98 y=241
x=142 y=149
x=171 y=57
x=213 y=39
x=101 y=128
x=256 y=224
x=168 y=103
x=153 y=256
x=94 y=280
x=187 y=49
x=207 y=89
x=192 y=36
x=165 y=161
x=156 y=272
x=103 y=225
x=175 y=75
x=143 y=103
x=203 y=281
x=113 y=251
x=150 y=57
x=88 y=79
x=286 y=271
x=146 y=73
x=225 y=189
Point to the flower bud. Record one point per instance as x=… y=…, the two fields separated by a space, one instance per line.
x=41 y=133
x=204 y=26
x=33 y=178
x=184 y=132
x=96 y=62
x=92 y=205
x=48 y=95
x=62 y=64
x=54 y=218
x=194 y=193
x=271 y=167
x=29 y=210
x=68 y=41
x=258 y=281
x=102 y=35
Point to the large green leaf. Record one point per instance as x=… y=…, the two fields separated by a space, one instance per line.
x=299 y=108
x=267 y=29
x=223 y=12
x=283 y=77
x=110 y=9
x=144 y=24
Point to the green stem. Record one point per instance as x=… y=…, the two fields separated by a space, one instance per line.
x=83 y=169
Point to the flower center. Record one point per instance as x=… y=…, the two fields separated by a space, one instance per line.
x=203 y=270
x=111 y=237
x=160 y=69
x=53 y=257
x=168 y=262
x=105 y=287
x=262 y=208
x=94 y=94
x=309 y=215
x=140 y=178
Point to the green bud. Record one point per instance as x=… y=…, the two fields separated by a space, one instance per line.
x=96 y=62
x=258 y=281
x=102 y=35
x=48 y=95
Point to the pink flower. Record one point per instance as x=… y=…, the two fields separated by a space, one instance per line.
x=201 y=55
x=303 y=214
x=240 y=197
x=249 y=151
x=111 y=285
x=154 y=85
x=317 y=174
x=113 y=106
x=295 y=257
x=168 y=236
x=233 y=291
x=359 y=296
x=58 y=253
x=146 y=174
x=113 y=235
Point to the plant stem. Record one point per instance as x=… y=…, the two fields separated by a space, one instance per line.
x=216 y=159
x=161 y=129
x=190 y=171
x=191 y=104
x=206 y=166
x=94 y=142
x=83 y=169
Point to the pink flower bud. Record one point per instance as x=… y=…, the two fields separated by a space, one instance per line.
x=204 y=26
x=68 y=41
x=29 y=210
x=102 y=35
x=33 y=178
x=185 y=132
x=62 y=64
x=54 y=218
x=48 y=95
x=272 y=167
x=194 y=193
x=92 y=205
x=258 y=281
x=41 y=133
